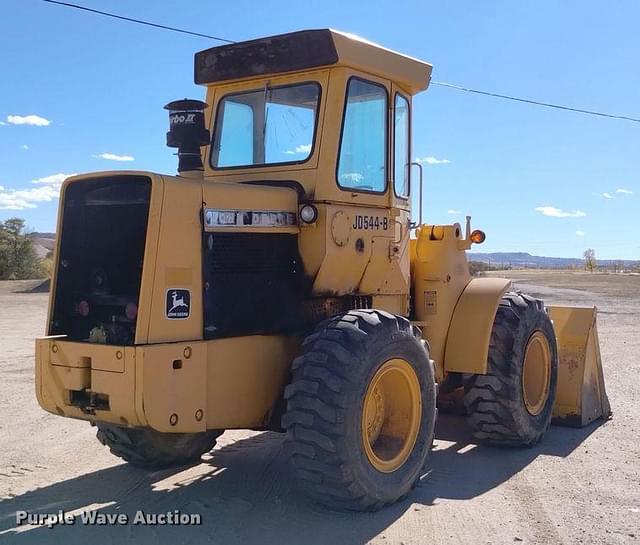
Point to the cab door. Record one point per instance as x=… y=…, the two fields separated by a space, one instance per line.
x=402 y=180
x=363 y=229
x=390 y=262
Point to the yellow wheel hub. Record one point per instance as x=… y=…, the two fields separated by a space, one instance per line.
x=536 y=373
x=391 y=415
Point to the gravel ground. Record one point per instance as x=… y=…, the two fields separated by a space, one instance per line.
x=577 y=486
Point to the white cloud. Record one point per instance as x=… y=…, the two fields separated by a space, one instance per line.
x=2 y=123
x=303 y=148
x=19 y=199
x=432 y=160
x=580 y=233
x=554 y=212
x=114 y=157
x=53 y=180
x=32 y=119
x=624 y=191
x=607 y=195
x=24 y=146
x=452 y=211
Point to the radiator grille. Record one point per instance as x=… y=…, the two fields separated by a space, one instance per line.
x=253 y=284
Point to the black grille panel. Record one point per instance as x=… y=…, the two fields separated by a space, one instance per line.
x=253 y=284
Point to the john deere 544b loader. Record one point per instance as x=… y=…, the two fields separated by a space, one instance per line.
x=279 y=283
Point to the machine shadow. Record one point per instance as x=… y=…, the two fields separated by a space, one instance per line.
x=459 y=468
x=245 y=493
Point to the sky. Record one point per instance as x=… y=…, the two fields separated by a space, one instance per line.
x=80 y=93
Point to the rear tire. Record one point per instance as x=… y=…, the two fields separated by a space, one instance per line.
x=512 y=404
x=356 y=369
x=147 y=448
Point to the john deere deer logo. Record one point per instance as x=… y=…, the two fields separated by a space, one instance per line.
x=178 y=304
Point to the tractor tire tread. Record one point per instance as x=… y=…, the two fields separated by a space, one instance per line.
x=147 y=448
x=316 y=429
x=493 y=401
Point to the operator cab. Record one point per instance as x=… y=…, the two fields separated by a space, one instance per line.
x=274 y=118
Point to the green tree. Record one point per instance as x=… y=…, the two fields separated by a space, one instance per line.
x=478 y=268
x=590 y=262
x=18 y=259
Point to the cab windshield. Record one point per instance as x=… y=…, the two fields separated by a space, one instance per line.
x=273 y=125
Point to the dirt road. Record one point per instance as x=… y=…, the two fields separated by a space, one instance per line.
x=577 y=486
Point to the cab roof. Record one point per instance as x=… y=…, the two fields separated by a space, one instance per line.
x=308 y=49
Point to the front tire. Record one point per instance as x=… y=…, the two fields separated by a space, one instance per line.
x=512 y=404
x=147 y=448
x=361 y=410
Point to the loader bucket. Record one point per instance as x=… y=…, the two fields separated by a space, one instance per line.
x=581 y=397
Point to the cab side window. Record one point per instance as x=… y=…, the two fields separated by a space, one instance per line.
x=362 y=161
x=236 y=147
x=401 y=150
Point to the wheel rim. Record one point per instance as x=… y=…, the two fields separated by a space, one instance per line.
x=536 y=373
x=391 y=415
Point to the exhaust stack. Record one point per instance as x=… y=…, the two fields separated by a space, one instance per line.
x=187 y=133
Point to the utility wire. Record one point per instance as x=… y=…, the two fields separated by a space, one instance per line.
x=440 y=83
x=130 y=19
x=535 y=102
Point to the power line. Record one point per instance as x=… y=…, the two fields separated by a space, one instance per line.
x=441 y=83
x=140 y=22
x=535 y=102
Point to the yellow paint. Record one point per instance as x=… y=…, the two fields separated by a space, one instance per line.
x=246 y=376
x=178 y=276
x=391 y=415
x=467 y=343
x=581 y=396
x=395 y=304
x=439 y=276
x=150 y=256
x=58 y=373
x=234 y=382
x=536 y=373
x=174 y=386
x=179 y=246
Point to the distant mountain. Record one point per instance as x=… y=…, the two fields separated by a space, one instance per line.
x=523 y=259
x=35 y=234
x=43 y=243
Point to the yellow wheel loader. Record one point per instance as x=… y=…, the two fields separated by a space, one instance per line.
x=279 y=282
